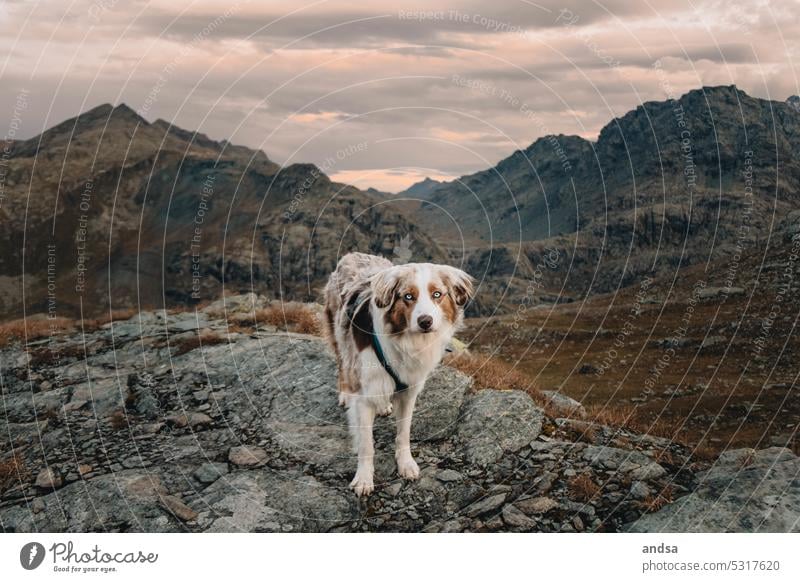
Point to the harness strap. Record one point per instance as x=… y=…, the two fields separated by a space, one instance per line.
x=352 y=309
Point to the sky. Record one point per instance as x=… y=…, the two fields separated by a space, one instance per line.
x=384 y=93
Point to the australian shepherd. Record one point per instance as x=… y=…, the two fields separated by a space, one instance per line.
x=389 y=326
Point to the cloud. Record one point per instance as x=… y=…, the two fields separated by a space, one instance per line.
x=444 y=88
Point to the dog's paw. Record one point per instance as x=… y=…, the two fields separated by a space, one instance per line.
x=385 y=411
x=343 y=398
x=362 y=485
x=408 y=469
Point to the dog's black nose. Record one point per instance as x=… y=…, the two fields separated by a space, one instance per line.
x=425 y=322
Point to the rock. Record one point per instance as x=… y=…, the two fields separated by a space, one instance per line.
x=124 y=501
x=515 y=518
x=648 y=472
x=486 y=505
x=38 y=505
x=49 y=479
x=210 y=472
x=714 y=340
x=536 y=505
x=612 y=458
x=178 y=508
x=640 y=490
x=448 y=475
x=191 y=419
x=761 y=496
x=438 y=406
x=262 y=501
x=246 y=456
x=101 y=396
x=719 y=292
x=544 y=482
x=495 y=422
x=236 y=304
x=565 y=405
x=394 y=489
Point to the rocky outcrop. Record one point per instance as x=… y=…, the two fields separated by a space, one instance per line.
x=745 y=491
x=125 y=429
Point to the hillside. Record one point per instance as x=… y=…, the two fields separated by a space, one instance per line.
x=198 y=422
x=667 y=185
x=130 y=213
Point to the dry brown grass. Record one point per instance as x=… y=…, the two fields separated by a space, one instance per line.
x=297 y=318
x=118 y=420
x=494 y=374
x=656 y=501
x=33 y=329
x=114 y=315
x=582 y=487
x=206 y=337
x=628 y=417
x=12 y=470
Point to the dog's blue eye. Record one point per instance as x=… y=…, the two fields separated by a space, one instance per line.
x=408 y=297
x=437 y=294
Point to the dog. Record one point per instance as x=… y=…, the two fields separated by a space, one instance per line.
x=389 y=326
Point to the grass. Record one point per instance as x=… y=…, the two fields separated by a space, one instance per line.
x=293 y=317
x=656 y=501
x=496 y=374
x=206 y=337
x=118 y=420
x=490 y=373
x=32 y=329
x=12 y=470
x=582 y=487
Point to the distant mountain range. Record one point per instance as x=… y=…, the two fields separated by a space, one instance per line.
x=666 y=185
x=108 y=209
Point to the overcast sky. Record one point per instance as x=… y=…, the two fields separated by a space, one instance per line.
x=382 y=93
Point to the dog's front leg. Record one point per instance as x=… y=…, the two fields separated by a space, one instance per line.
x=361 y=416
x=404 y=409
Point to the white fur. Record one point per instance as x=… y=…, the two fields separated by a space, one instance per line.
x=412 y=354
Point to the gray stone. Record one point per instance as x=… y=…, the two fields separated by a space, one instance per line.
x=191 y=419
x=612 y=458
x=246 y=456
x=495 y=422
x=448 y=475
x=124 y=501
x=178 y=508
x=536 y=505
x=49 y=479
x=648 y=472
x=763 y=496
x=564 y=405
x=720 y=292
x=257 y=501
x=640 y=490
x=438 y=406
x=486 y=505
x=515 y=518
x=210 y=472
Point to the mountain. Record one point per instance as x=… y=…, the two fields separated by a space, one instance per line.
x=109 y=210
x=794 y=102
x=666 y=185
x=422 y=189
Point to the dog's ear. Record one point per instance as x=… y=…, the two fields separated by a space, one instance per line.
x=384 y=286
x=460 y=284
